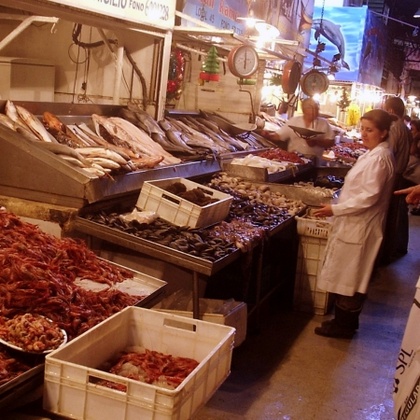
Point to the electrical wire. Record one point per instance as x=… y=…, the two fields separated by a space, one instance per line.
x=77 y=29
x=87 y=46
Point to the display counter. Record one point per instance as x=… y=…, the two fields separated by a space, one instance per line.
x=103 y=229
x=244 y=275
x=30 y=171
x=332 y=168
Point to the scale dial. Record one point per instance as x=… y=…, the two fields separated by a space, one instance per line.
x=243 y=61
x=314 y=82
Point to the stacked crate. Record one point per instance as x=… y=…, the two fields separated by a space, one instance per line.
x=313 y=234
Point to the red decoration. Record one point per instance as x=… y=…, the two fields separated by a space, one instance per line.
x=175 y=75
x=209 y=77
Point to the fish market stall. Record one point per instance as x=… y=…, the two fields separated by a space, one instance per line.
x=213 y=251
x=245 y=153
x=32 y=170
x=273 y=165
x=338 y=160
x=60 y=180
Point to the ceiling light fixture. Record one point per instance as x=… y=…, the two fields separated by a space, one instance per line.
x=266 y=30
x=417 y=14
x=249 y=21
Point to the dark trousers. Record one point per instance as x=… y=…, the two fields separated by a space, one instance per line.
x=395 y=242
x=347 y=310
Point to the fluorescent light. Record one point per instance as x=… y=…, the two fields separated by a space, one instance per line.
x=417 y=14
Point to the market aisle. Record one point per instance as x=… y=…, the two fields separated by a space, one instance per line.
x=287 y=372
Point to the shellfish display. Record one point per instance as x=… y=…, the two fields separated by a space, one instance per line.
x=254 y=211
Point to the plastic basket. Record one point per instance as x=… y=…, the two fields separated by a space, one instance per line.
x=180 y=212
x=317 y=228
x=71 y=373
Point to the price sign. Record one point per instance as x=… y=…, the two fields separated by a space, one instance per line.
x=159 y=13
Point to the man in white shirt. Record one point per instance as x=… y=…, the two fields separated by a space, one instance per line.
x=313 y=146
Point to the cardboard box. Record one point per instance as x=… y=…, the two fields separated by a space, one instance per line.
x=174 y=209
x=71 y=373
x=407 y=372
x=222 y=312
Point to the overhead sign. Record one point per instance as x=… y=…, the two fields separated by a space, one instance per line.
x=159 y=13
x=222 y=14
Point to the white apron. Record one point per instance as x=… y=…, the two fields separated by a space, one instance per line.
x=358 y=223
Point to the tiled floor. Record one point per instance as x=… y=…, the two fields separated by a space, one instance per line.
x=286 y=372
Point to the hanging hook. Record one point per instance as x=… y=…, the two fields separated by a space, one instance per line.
x=54 y=26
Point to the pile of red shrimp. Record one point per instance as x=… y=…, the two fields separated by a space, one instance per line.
x=10 y=367
x=31 y=333
x=151 y=367
x=38 y=273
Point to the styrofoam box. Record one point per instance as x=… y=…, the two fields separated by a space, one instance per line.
x=71 y=372
x=307 y=296
x=178 y=211
x=236 y=317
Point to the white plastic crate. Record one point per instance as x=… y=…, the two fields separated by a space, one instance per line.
x=313 y=234
x=180 y=212
x=307 y=296
x=71 y=372
x=224 y=312
x=318 y=228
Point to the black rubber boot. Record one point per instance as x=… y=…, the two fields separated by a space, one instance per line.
x=344 y=325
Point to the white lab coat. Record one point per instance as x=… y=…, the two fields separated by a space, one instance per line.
x=358 y=223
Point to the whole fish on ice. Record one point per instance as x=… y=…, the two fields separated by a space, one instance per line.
x=7 y=122
x=108 y=131
x=101 y=152
x=34 y=124
x=20 y=126
x=144 y=142
x=60 y=131
x=141 y=119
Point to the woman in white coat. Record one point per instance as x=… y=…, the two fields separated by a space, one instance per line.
x=358 y=224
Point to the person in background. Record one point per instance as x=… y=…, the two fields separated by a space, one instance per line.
x=412 y=194
x=415 y=145
x=412 y=173
x=357 y=228
x=311 y=120
x=407 y=121
x=395 y=243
